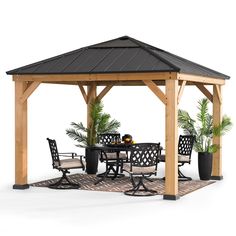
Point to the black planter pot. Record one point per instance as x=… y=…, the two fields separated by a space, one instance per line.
x=205 y=165
x=91 y=156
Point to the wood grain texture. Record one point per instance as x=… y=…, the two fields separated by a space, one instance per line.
x=200 y=79
x=91 y=96
x=171 y=163
x=181 y=90
x=104 y=91
x=20 y=134
x=97 y=77
x=29 y=90
x=205 y=91
x=217 y=117
x=154 y=88
x=82 y=90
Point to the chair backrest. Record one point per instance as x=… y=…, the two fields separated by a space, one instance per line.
x=185 y=145
x=54 y=152
x=108 y=138
x=145 y=154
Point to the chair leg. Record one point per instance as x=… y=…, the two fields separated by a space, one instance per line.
x=64 y=182
x=119 y=166
x=132 y=180
x=102 y=176
x=148 y=179
x=137 y=190
x=182 y=177
x=112 y=171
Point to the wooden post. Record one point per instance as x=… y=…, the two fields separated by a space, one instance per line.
x=171 y=159
x=217 y=157
x=91 y=95
x=20 y=137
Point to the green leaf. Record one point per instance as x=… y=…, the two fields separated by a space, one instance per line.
x=186 y=122
x=224 y=127
x=77 y=136
x=79 y=126
x=203 y=114
x=213 y=148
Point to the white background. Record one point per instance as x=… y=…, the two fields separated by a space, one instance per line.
x=201 y=31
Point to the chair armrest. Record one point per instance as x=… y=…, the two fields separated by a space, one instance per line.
x=81 y=157
x=163 y=150
x=67 y=154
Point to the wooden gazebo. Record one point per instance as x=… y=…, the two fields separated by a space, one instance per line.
x=120 y=62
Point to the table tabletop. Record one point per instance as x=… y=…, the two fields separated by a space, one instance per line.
x=112 y=147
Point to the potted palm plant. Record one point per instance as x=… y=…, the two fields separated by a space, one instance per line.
x=87 y=137
x=203 y=130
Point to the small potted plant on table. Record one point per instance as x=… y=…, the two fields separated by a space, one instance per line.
x=203 y=132
x=87 y=137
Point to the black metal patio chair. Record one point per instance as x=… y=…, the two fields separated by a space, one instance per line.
x=143 y=164
x=185 y=147
x=64 y=165
x=114 y=160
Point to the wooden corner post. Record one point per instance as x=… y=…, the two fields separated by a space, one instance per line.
x=91 y=95
x=20 y=137
x=217 y=116
x=171 y=159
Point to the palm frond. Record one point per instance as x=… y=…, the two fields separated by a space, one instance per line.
x=96 y=110
x=225 y=126
x=77 y=136
x=79 y=126
x=186 y=122
x=202 y=114
x=111 y=127
x=213 y=148
x=102 y=123
x=209 y=124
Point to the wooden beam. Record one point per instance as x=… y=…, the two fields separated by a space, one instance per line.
x=20 y=136
x=91 y=94
x=218 y=90
x=171 y=157
x=119 y=77
x=154 y=88
x=200 y=79
x=117 y=83
x=97 y=77
x=217 y=117
x=181 y=90
x=30 y=89
x=106 y=83
x=205 y=91
x=104 y=91
x=83 y=92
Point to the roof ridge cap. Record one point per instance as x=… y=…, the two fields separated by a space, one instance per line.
x=197 y=64
x=108 y=41
x=141 y=44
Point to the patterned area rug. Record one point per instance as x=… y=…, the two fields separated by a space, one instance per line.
x=122 y=184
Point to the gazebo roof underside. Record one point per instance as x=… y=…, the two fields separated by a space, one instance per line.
x=122 y=55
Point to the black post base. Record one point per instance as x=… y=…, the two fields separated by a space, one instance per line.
x=21 y=187
x=171 y=197
x=217 y=177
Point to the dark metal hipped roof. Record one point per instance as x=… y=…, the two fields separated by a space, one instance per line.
x=121 y=55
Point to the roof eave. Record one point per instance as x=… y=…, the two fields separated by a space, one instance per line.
x=14 y=72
